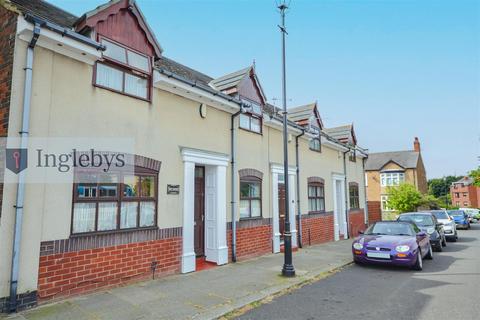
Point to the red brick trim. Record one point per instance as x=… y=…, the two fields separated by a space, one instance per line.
x=78 y=243
x=356 y=219
x=353 y=183
x=374 y=211
x=250 y=173
x=317 y=228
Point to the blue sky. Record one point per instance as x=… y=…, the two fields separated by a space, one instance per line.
x=395 y=68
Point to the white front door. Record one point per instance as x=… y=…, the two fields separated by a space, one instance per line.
x=210 y=214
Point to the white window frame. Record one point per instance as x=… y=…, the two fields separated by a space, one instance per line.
x=387 y=178
x=384 y=201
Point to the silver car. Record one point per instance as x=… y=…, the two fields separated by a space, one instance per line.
x=448 y=224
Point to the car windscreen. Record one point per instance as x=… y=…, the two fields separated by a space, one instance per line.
x=419 y=219
x=392 y=229
x=456 y=213
x=440 y=214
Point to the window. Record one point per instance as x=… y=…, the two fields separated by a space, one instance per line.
x=123 y=70
x=352 y=156
x=457 y=194
x=250 y=197
x=315 y=144
x=124 y=202
x=252 y=120
x=316 y=197
x=384 y=200
x=464 y=194
x=465 y=203
x=354 y=197
x=388 y=179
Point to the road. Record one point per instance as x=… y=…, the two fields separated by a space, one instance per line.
x=447 y=288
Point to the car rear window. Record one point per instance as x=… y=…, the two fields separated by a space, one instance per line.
x=440 y=214
x=418 y=219
x=457 y=213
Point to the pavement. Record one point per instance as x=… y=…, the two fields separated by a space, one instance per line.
x=207 y=294
x=447 y=288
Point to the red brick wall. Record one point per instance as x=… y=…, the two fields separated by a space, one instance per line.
x=251 y=242
x=317 y=228
x=374 y=211
x=77 y=272
x=8 y=27
x=356 y=221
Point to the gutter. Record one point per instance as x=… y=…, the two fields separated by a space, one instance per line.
x=65 y=32
x=20 y=199
x=299 y=216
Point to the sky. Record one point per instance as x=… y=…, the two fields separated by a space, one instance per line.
x=396 y=69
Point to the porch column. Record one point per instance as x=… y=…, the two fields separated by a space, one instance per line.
x=221 y=176
x=188 y=250
x=293 y=208
x=275 y=217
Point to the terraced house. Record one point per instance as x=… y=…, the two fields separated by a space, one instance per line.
x=207 y=182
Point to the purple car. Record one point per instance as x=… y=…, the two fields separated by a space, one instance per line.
x=392 y=242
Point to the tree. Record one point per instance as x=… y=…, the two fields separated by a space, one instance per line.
x=439 y=187
x=475 y=175
x=404 y=198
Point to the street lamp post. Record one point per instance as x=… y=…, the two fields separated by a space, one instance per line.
x=287 y=270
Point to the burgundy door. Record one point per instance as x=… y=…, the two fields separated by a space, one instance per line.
x=199 y=229
x=281 y=208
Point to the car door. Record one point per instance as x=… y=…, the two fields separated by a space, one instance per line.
x=422 y=241
x=439 y=227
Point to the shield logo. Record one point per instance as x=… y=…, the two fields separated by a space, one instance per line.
x=378 y=249
x=16 y=159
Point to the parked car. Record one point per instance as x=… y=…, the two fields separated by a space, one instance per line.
x=449 y=226
x=472 y=214
x=461 y=218
x=394 y=243
x=428 y=223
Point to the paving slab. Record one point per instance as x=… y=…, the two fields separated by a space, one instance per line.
x=207 y=294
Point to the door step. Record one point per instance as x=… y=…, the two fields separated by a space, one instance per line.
x=202 y=264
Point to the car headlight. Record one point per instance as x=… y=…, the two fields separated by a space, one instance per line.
x=402 y=248
x=430 y=230
x=357 y=246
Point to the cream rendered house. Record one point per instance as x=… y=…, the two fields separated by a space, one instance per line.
x=207 y=177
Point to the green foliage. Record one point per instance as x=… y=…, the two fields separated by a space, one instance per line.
x=404 y=198
x=475 y=175
x=441 y=186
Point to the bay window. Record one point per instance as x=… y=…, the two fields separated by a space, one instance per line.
x=114 y=201
x=124 y=70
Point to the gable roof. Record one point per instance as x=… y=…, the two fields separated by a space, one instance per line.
x=345 y=133
x=301 y=114
x=92 y=17
x=406 y=159
x=234 y=79
x=465 y=180
x=47 y=11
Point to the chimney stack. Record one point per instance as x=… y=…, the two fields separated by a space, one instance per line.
x=416 y=145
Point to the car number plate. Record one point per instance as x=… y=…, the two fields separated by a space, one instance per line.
x=380 y=255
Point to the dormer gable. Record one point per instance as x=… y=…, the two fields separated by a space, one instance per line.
x=243 y=84
x=123 y=22
x=306 y=116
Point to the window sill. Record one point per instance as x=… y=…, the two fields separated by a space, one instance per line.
x=251 y=218
x=149 y=100
x=98 y=233
x=316 y=212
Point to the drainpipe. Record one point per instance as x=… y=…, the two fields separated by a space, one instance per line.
x=17 y=235
x=365 y=191
x=299 y=217
x=233 y=144
x=346 y=193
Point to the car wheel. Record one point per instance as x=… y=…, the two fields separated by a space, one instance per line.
x=419 y=263
x=429 y=255
x=439 y=246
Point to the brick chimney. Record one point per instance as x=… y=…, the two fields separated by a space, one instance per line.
x=416 y=144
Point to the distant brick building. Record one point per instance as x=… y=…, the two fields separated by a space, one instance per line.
x=465 y=194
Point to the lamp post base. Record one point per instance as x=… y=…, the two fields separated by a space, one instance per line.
x=288 y=271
